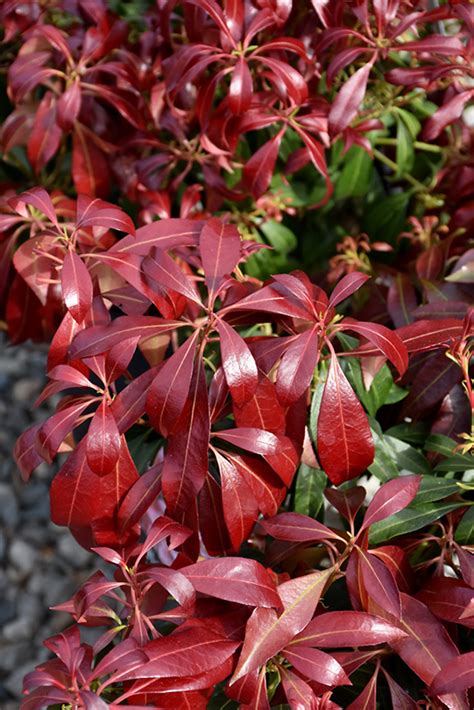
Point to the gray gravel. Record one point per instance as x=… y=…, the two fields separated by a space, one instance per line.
x=40 y=564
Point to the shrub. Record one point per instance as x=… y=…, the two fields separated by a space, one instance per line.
x=220 y=400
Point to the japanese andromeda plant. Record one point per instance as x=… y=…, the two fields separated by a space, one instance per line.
x=270 y=448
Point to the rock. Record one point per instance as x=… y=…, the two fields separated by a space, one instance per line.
x=7 y=611
x=26 y=390
x=72 y=552
x=8 y=506
x=22 y=556
x=20 y=629
x=14 y=684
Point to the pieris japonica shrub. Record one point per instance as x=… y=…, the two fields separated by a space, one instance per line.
x=245 y=229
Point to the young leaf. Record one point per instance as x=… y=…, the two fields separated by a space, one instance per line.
x=393 y=496
x=234 y=579
x=344 y=441
x=220 y=251
x=103 y=441
x=347 y=629
x=240 y=368
x=76 y=285
x=267 y=633
x=456 y=676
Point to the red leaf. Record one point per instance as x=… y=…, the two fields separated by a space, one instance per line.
x=169 y=390
x=69 y=105
x=400 y=699
x=99 y=339
x=45 y=135
x=267 y=633
x=316 y=665
x=427 y=647
x=387 y=341
x=76 y=284
x=240 y=368
x=429 y=334
x=393 y=496
x=344 y=441
x=103 y=441
x=186 y=461
x=162 y=528
x=258 y=171
x=401 y=300
x=347 y=502
x=448 y=113
x=139 y=498
x=238 y=580
x=268 y=300
x=220 y=251
x=165 y=234
x=26 y=453
x=456 y=676
x=296 y=368
x=55 y=429
x=38 y=198
x=240 y=89
x=296 y=527
x=298 y=693
x=74 y=491
x=239 y=504
x=262 y=410
x=162 y=269
x=448 y=599
x=367 y=699
x=97 y=213
x=348 y=285
x=348 y=628
x=90 y=169
x=379 y=583
x=268 y=489
x=185 y=652
x=349 y=98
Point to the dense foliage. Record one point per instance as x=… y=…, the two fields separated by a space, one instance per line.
x=246 y=230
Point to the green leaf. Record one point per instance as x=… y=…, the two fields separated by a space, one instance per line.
x=384 y=465
x=409 y=520
x=405 y=152
x=432 y=488
x=464 y=534
x=309 y=489
x=459 y=463
x=385 y=218
x=411 y=122
x=440 y=444
x=280 y=237
x=407 y=457
x=414 y=433
x=316 y=402
x=356 y=175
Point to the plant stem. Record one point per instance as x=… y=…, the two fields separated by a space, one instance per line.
x=404 y=176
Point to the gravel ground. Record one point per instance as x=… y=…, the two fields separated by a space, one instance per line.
x=40 y=563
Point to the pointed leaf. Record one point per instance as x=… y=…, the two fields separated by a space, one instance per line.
x=316 y=665
x=347 y=628
x=220 y=251
x=235 y=579
x=240 y=368
x=267 y=633
x=393 y=496
x=76 y=285
x=344 y=441
x=259 y=169
x=456 y=676
x=296 y=368
x=169 y=390
x=348 y=99
x=295 y=527
x=349 y=284
x=103 y=441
